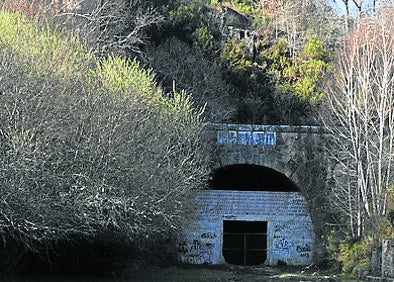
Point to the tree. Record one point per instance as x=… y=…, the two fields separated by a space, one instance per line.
x=347 y=14
x=360 y=121
x=359 y=6
x=297 y=21
x=122 y=24
x=88 y=146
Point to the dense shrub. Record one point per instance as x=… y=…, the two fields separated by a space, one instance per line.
x=347 y=254
x=175 y=62
x=88 y=147
x=353 y=253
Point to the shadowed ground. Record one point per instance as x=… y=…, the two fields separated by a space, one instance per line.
x=221 y=273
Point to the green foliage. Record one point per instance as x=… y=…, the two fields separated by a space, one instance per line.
x=278 y=60
x=390 y=217
x=390 y=194
x=269 y=85
x=215 y=2
x=311 y=75
x=346 y=252
x=119 y=74
x=50 y=48
x=180 y=105
x=184 y=12
x=314 y=49
x=303 y=75
x=352 y=254
x=204 y=38
x=193 y=23
x=233 y=55
x=246 y=7
x=311 y=71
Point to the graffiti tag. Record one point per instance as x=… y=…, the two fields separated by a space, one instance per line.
x=278 y=233
x=208 y=235
x=182 y=247
x=304 y=251
x=304 y=255
x=197 y=252
x=282 y=244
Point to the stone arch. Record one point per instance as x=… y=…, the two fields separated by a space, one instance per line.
x=294 y=151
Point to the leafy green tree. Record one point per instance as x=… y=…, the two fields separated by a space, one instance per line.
x=298 y=81
x=311 y=71
x=234 y=56
x=305 y=74
x=204 y=38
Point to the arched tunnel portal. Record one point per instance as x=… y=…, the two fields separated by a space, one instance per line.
x=257 y=190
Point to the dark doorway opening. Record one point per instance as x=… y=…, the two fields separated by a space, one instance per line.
x=245 y=242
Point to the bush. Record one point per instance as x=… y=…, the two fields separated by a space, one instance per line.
x=351 y=254
x=50 y=49
x=88 y=147
x=175 y=61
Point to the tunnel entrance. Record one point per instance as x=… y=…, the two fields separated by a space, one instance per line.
x=244 y=242
x=248 y=177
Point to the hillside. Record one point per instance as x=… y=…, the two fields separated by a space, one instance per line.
x=247 y=61
x=250 y=63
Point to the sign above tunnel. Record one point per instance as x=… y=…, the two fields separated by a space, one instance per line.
x=264 y=138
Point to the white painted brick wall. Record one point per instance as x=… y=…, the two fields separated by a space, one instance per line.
x=290 y=236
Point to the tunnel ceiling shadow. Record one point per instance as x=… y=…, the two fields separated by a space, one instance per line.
x=248 y=177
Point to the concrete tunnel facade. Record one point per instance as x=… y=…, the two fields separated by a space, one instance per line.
x=251 y=215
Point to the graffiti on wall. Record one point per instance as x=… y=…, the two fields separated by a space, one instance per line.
x=283 y=245
x=304 y=250
x=208 y=235
x=280 y=242
x=198 y=251
x=289 y=237
x=264 y=138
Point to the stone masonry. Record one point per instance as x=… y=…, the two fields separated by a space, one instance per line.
x=388 y=258
x=295 y=152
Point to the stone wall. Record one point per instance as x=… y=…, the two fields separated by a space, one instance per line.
x=295 y=151
x=388 y=258
x=289 y=238
x=376 y=260
x=291 y=150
